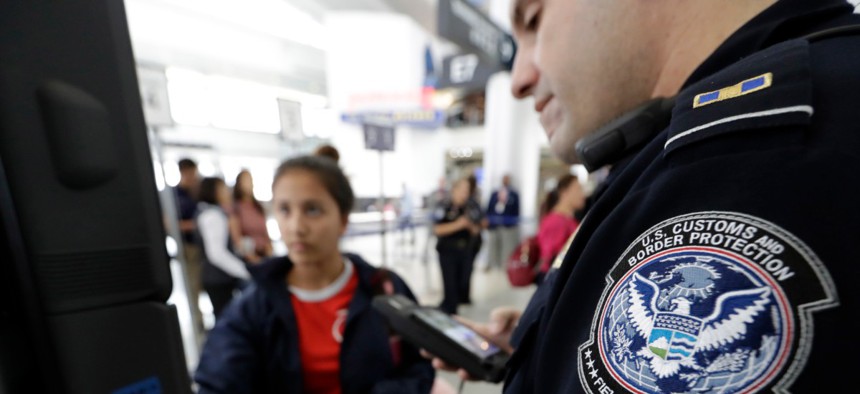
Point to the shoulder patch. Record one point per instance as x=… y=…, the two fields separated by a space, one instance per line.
x=780 y=79
x=707 y=302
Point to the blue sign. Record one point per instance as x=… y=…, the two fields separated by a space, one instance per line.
x=428 y=119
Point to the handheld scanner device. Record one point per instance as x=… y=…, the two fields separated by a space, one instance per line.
x=448 y=339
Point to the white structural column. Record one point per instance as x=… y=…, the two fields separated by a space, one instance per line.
x=512 y=145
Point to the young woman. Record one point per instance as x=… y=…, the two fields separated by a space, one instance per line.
x=557 y=220
x=223 y=272
x=249 y=233
x=306 y=324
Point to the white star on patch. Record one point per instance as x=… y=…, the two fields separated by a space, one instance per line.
x=588 y=354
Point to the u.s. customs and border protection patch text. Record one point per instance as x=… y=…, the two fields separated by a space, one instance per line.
x=710 y=302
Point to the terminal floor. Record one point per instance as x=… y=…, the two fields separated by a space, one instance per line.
x=415 y=260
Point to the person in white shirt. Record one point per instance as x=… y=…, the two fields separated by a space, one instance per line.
x=223 y=271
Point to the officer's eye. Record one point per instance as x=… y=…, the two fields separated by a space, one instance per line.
x=532 y=15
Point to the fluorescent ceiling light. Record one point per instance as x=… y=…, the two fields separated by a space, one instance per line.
x=273 y=17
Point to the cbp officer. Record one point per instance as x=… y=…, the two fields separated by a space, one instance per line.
x=719 y=257
x=455 y=229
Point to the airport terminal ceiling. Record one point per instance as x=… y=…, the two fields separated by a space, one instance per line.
x=215 y=73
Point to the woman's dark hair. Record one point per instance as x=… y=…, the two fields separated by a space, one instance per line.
x=238 y=194
x=209 y=190
x=328 y=173
x=328 y=151
x=552 y=197
x=473 y=185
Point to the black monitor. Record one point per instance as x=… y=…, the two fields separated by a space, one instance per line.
x=83 y=267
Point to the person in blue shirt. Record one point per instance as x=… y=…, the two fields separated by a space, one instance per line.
x=503 y=220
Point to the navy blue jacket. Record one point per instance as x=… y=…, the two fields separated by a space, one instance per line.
x=721 y=256
x=254 y=346
x=510 y=215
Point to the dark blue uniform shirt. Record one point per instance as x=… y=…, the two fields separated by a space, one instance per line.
x=721 y=257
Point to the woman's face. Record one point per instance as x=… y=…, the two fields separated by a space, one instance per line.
x=246 y=184
x=575 y=196
x=309 y=218
x=460 y=192
x=223 y=196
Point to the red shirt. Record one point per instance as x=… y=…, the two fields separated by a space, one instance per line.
x=555 y=230
x=321 y=319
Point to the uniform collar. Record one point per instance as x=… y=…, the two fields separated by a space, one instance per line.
x=784 y=20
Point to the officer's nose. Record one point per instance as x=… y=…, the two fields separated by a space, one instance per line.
x=525 y=75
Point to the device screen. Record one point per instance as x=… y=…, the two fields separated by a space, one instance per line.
x=456 y=331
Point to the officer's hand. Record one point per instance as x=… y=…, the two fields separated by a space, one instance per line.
x=497 y=331
x=464 y=222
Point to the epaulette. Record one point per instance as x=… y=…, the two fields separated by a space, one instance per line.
x=770 y=88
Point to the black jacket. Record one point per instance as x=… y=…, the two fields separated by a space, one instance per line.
x=721 y=255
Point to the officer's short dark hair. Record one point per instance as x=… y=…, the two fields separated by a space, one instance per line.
x=187 y=164
x=328 y=173
x=209 y=189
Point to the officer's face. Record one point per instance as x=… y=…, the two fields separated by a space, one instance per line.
x=584 y=61
x=309 y=218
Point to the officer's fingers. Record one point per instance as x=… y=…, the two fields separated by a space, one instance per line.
x=475 y=326
x=464 y=375
x=439 y=364
x=503 y=319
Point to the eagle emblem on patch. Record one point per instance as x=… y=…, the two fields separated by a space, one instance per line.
x=711 y=302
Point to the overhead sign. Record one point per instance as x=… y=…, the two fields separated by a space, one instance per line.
x=473 y=31
x=378 y=137
x=428 y=119
x=291 y=119
x=153 y=95
x=468 y=71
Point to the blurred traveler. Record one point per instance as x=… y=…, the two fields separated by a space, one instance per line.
x=405 y=210
x=186 y=193
x=455 y=231
x=250 y=233
x=223 y=271
x=503 y=220
x=434 y=201
x=476 y=215
x=557 y=220
x=306 y=324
